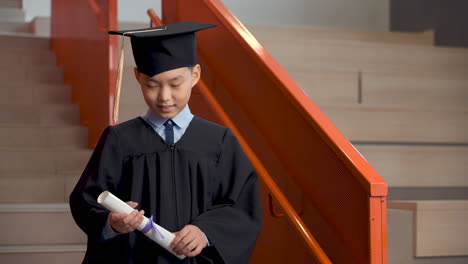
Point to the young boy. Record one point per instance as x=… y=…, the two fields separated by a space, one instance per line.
x=191 y=175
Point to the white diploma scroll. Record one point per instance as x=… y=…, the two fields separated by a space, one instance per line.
x=147 y=227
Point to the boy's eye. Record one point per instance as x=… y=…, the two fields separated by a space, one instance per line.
x=152 y=86
x=175 y=85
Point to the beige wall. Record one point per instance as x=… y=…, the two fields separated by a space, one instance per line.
x=359 y=14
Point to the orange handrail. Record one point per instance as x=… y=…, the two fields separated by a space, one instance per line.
x=87 y=55
x=296 y=143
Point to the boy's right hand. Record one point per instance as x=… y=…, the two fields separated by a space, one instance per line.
x=125 y=223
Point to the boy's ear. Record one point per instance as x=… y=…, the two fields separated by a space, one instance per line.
x=137 y=74
x=196 y=73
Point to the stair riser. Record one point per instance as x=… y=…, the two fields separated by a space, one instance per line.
x=400 y=125
x=413 y=90
x=43 y=258
x=14 y=27
x=37 y=137
x=42 y=161
x=39 y=228
x=395 y=90
x=41 y=26
x=11 y=15
x=419 y=166
x=439 y=227
x=31 y=75
x=328 y=87
x=33 y=59
x=37 y=188
x=32 y=189
x=274 y=33
x=39 y=115
x=34 y=94
x=11 y=3
x=363 y=56
x=27 y=44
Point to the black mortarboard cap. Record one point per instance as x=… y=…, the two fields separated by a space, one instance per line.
x=164 y=48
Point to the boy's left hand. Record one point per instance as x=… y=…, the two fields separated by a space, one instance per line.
x=189 y=241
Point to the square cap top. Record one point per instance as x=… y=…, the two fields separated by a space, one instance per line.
x=182 y=27
x=164 y=48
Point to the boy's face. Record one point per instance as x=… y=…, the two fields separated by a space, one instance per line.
x=167 y=93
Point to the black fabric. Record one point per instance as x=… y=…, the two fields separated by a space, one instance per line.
x=164 y=48
x=204 y=179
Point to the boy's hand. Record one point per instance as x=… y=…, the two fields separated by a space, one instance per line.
x=189 y=241
x=125 y=223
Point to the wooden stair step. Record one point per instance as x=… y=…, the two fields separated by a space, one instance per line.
x=11 y=3
x=22 y=57
x=29 y=44
x=49 y=254
x=372 y=57
x=11 y=15
x=43 y=249
x=45 y=114
x=38 y=224
x=368 y=52
x=12 y=92
x=401 y=245
x=40 y=26
x=364 y=123
x=328 y=86
x=412 y=90
x=439 y=226
x=43 y=137
x=274 y=33
x=419 y=165
x=43 y=160
x=37 y=187
x=428 y=193
x=14 y=27
x=393 y=89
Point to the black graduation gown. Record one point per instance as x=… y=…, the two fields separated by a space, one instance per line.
x=204 y=179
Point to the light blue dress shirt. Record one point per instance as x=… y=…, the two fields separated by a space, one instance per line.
x=181 y=122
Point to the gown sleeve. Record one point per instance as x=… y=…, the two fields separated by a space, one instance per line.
x=233 y=222
x=102 y=173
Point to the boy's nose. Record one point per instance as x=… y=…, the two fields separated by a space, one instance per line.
x=164 y=95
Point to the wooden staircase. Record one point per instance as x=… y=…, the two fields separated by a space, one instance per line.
x=42 y=149
x=403 y=103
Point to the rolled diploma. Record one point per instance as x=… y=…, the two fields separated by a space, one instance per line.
x=114 y=204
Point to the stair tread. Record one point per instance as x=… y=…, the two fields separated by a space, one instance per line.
x=46 y=149
x=11 y=3
x=397 y=108
x=34 y=207
x=388 y=37
x=39 y=173
x=428 y=204
x=25 y=125
x=43 y=248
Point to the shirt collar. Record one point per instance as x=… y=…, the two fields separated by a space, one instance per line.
x=181 y=120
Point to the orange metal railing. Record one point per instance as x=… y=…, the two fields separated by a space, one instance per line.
x=338 y=195
x=88 y=57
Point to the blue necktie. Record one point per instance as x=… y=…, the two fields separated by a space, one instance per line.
x=169 y=130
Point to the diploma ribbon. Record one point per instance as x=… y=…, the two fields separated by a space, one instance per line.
x=152 y=226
